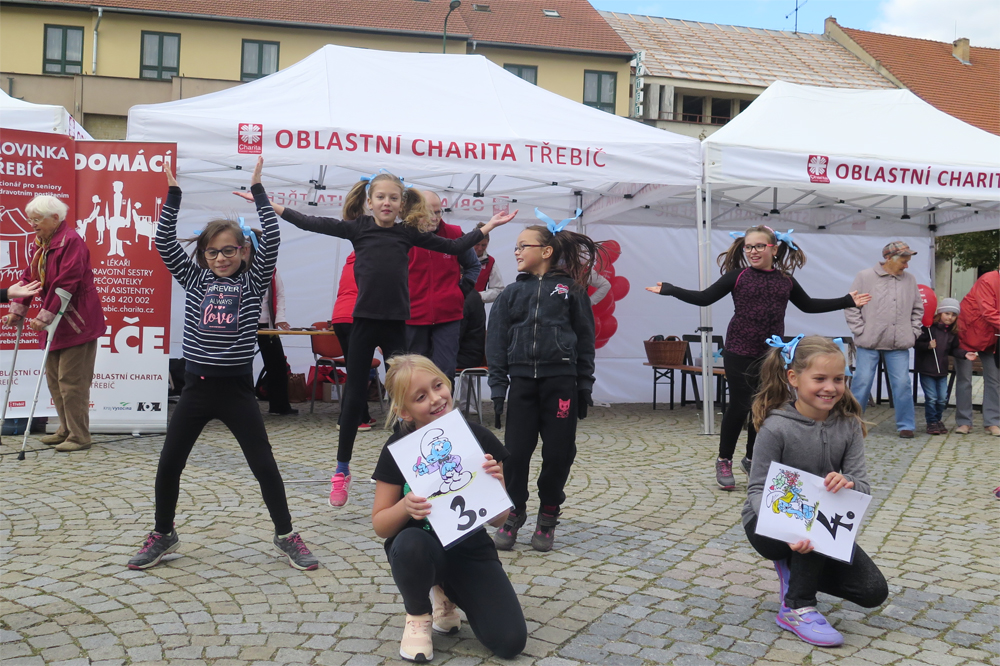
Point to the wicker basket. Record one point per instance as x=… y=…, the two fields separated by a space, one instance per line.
x=665 y=352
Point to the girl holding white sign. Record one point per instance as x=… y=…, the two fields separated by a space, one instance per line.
x=433 y=580
x=222 y=307
x=819 y=430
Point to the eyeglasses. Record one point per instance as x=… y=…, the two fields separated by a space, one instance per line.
x=759 y=247
x=228 y=252
x=518 y=249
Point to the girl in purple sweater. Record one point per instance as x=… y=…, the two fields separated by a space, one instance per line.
x=757 y=270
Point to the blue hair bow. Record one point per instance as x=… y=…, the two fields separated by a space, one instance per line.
x=551 y=224
x=248 y=232
x=847 y=363
x=368 y=179
x=737 y=234
x=786 y=238
x=787 y=348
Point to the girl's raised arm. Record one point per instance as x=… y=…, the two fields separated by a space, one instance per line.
x=180 y=265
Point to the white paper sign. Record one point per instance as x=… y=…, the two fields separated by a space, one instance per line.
x=796 y=506
x=444 y=463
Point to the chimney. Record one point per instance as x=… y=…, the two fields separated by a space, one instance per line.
x=960 y=49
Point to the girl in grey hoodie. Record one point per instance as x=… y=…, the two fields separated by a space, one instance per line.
x=818 y=429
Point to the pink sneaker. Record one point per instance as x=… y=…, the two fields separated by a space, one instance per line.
x=339 y=487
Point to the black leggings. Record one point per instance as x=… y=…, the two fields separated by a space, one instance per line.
x=547 y=407
x=480 y=587
x=232 y=401
x=859 y=582
x=743 y=378
x=343 y=332
x=366 y=335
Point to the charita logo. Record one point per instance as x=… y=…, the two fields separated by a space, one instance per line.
x=250 y=138
x=817 y=168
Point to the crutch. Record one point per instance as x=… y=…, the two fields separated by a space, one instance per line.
x=10 y=377
x=64 y=297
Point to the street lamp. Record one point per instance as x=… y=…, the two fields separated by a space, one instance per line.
x=455 y=4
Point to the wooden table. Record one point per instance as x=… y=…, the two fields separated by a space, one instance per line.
x=292 y=331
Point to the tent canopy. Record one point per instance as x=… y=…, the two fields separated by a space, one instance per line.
x=844 y=159
x=456 y=124
x=18 y=114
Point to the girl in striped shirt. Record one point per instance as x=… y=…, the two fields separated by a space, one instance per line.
x=221 y=311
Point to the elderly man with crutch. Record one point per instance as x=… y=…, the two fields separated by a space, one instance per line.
x=61 y=262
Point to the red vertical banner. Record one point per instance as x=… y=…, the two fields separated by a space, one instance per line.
x=120 y=191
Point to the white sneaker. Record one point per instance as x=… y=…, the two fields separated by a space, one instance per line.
x=417 y=644
x=446 y=617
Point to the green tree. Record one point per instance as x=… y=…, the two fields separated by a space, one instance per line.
x=978 y=249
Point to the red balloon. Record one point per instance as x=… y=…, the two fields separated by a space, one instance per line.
x=609 y=326
x=619 y=287
x=613 y=249
x=605 y=307
x=608 y=271
x=929 y=298
x=597 y=328
x=600 y=343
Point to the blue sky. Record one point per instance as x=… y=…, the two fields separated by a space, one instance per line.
x=941 y=20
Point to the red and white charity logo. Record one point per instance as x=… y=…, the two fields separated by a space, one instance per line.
x=250 y=139
x=817 y=168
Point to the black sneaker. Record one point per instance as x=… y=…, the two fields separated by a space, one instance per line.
x=297 y=552
x=545 y=531
x=745 y=464
x=156 y=546
x=506 y=536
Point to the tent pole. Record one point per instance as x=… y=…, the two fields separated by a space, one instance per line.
x=705 y=255
x=932 y=225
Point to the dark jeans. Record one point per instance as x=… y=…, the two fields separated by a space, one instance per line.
x=366 y=335
x=546 y=407
x=438 y=342
x=935 y=397
x=480 y=587
x=743 y=378
x=343 y=332
x=273 y=355
x=232 y=401
x=859 y=582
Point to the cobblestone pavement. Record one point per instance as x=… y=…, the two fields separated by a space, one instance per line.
x=641 y=574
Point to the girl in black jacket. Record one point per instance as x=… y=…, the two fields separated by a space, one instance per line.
x=540 y=343
x=930 y=361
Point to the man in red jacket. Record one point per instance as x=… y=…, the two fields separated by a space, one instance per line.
x=438 y=284
x=978 y=328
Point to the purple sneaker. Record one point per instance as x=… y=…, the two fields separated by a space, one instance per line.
x=784 y=574
x=809 y=625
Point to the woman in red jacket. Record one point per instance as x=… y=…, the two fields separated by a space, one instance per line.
x=61 y=259
x=979 y=326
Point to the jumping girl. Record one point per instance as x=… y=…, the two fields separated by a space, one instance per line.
x=930 y=361
x=757 y=270
x=381 y=247
x=540 y=343
x=818 y=430
x=222 y=308
x=433 y=580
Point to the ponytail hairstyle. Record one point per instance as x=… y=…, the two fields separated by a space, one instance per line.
x=573 y=253
x=397 y=384
x=775 y=390
x=787 y=260
x=413 y=211
x=208 y=234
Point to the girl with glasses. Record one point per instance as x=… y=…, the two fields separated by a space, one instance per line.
x=757 y=270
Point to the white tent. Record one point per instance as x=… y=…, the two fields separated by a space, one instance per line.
x=18 y=114
x=457 y=124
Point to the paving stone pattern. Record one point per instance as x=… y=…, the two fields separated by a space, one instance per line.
x=650 y=566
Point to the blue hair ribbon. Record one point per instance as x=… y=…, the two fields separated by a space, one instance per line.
x=552 y=225
x=787 y=348
x=786 y=238
x=248 y=232
x=847 y=363
x=368 y=179
x=737 y=234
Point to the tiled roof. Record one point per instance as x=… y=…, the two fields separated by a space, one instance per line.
x=578 y=27
x=516 y=22
x=743 y=56
x=968 y=92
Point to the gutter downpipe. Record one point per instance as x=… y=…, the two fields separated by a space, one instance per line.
x=100 y=15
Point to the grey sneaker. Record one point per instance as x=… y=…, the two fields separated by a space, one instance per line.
x=506 y=536
x=724 y=474
x=545 y=531
x=745 y=464
x=156 y=546
x=297 y=552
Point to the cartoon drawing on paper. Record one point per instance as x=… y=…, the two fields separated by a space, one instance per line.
x=437 y=456
x=785 y=496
